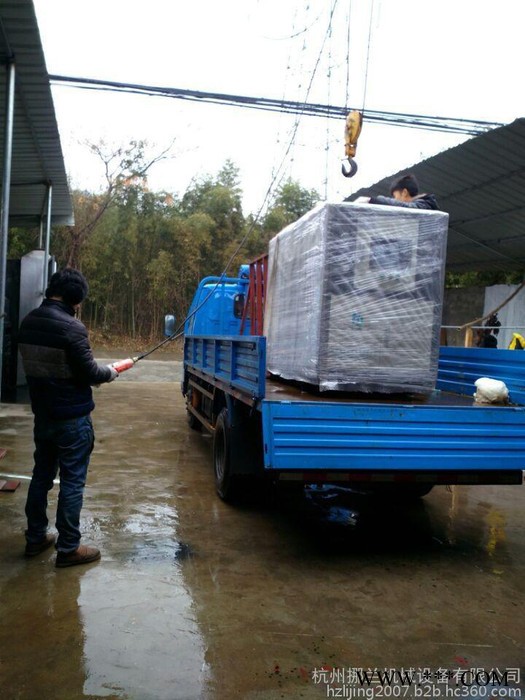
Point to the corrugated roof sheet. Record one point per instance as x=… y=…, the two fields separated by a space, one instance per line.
x=37 y=152
x=481 y=184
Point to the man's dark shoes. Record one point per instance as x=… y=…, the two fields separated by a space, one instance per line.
x=82 y=555
x=34 y=548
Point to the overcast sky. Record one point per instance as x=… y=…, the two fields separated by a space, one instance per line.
x=452 y=58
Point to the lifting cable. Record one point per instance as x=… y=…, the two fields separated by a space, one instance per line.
x=354 y=118
x=368 y=54
x=347 y=84
x=329 y=81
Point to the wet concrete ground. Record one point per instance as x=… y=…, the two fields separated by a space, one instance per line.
x=194 y=599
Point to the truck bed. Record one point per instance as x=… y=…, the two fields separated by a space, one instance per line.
x=440 y=432
x=443 y=437
x=277 y=390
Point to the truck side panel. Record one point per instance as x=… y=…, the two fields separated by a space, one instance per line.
x=460 y=367
x=237 y=363
x=329 y=436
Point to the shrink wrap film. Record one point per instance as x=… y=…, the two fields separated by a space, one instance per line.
x=355 y=296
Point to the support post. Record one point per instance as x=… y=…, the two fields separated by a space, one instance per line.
x=48 y=237
x=4 y=207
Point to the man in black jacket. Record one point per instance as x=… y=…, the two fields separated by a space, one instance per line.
x=60 y=371
x=404 y=193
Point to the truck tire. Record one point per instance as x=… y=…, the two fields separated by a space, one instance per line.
x=227 y=484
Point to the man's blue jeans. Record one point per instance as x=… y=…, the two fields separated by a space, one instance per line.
x=62 y=446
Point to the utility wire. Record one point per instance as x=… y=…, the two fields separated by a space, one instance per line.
x=418 y=121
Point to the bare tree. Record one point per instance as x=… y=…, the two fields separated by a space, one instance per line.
x=123 y=166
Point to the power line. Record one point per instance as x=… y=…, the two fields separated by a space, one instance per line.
x=418 y=121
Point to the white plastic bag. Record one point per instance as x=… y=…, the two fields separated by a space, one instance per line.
x=490 y=391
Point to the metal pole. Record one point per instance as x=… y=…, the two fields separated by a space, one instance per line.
x=4 y=207
x=48 y=237
x=41 y=234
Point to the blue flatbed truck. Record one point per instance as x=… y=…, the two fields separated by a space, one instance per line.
x=264 y=429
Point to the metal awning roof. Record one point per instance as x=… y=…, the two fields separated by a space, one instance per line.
x=481 y=184
x=37 y=154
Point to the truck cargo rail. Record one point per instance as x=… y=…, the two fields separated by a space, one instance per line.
x=235 y=363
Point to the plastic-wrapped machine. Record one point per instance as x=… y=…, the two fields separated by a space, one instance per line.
x=354 y=298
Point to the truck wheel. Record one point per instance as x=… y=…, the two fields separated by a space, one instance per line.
x=226 y=483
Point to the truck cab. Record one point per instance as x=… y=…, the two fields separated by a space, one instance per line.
x=218 y=305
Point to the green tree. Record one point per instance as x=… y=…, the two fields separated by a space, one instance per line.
x=220 y=198
x=291 y=202
x=483 y=279
x=144 y=252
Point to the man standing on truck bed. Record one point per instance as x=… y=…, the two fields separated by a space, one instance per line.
x=404 y=193
x=60 y=371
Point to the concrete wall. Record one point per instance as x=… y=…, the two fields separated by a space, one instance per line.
x=464 y=305
x=461 y=306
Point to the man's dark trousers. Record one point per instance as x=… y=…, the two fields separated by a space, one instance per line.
x=64 y=447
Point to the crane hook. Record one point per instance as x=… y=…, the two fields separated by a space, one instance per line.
x=350 y=169
x=353 y=126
